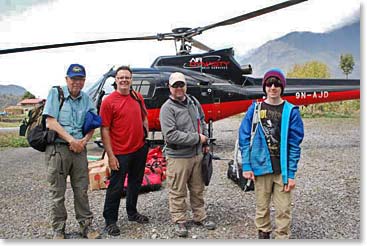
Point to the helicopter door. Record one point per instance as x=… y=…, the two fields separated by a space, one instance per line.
x=145 y=85
x=207 y=100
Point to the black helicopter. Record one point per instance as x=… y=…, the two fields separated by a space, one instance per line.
x=215 y=78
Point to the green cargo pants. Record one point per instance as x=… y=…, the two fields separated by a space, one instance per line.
x=61 y=162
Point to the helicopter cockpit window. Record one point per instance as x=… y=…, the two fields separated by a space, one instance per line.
x=108 y=86
x=144 y=86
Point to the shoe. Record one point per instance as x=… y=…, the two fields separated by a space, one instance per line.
x=208 y=224
x=264 y=235
x=58 y=235
x=88 y=231
x=181 y=230
x=112 y=230
x=142 y=219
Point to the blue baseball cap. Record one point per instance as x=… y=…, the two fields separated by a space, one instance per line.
x=75 y=70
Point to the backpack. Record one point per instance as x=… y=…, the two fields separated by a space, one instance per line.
x=34 y=128
x=234 y=171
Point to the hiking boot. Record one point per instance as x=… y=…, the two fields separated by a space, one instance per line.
x=264 y=235
x=181 y=230
x=112 y=230
x=88 y=231
x=142 y=219
x=58 y=235
x=208 y=224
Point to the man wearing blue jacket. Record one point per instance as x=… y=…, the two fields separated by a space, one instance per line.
x=269 y=138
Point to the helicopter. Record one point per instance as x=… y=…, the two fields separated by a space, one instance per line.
x=223 y=86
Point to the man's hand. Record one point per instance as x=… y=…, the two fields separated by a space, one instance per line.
x=113 y=163
x=203 y=138
x=206 y=149
x=76 y=146
x=249 y=175
x=290 y=186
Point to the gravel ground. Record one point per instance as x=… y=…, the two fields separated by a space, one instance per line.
x=326 y=200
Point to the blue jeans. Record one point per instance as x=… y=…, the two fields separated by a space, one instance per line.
x=134 y=165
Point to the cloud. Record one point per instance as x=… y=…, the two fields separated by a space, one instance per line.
x=61 y=21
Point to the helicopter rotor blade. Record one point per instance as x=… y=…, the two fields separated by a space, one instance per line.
x=178 y=33
x=200 y=45
x=61 y=45
x=247 y=16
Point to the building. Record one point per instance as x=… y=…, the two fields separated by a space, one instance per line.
x=24 y=106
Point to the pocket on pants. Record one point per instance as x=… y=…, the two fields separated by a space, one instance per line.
x=171 y=181
x=55 y=172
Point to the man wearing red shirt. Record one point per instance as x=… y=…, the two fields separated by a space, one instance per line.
x=124 y=126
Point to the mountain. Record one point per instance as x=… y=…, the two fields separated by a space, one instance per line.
x=10 y=95
x=301 y=47
x=12 y=90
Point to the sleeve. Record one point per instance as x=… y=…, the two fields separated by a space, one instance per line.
x=106 y=113
x=170 y=131
x=52 y=104
x=244 y=136
x=295 y=137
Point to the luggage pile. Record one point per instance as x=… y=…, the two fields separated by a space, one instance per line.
x=155 y=171
x=154 y=174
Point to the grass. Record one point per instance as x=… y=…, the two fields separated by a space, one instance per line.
x=9 y=124
x=12 y=140
x=343 y=109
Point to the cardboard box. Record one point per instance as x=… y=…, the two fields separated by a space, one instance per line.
x=97 y=163
x=98 y=177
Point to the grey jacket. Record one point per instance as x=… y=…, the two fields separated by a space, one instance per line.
x=179 y=123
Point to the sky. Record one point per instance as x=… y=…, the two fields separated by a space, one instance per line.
x=38 y=22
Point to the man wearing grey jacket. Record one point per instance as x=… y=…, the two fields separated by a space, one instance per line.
x=185 y=132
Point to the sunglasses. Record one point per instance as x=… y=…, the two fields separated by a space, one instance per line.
x=276 y=83
x=178 y=85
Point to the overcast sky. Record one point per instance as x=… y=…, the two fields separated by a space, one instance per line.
x=36 y=22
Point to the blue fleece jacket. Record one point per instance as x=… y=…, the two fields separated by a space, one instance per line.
x=256 y=158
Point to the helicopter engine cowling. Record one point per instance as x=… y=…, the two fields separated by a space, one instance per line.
x=246 y=69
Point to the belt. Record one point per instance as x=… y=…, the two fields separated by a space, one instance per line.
x=177 y=147
x=61 y=143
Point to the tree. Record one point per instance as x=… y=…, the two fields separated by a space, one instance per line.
x=346 y=64
x=315 y=69
x=312 y=69
x=28 y=95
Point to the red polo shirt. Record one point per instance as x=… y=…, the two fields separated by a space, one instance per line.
x=122 y=114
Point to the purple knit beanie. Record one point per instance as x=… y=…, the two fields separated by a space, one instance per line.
x=274 y=72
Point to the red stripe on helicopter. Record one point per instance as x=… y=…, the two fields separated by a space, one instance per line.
x=221 y=110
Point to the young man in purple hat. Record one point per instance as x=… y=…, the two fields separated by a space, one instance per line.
x=68 y=154
x=269 y=138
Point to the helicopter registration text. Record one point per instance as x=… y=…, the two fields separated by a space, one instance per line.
x=315 y=94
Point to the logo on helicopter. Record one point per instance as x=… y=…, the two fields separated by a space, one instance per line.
x=207 y=62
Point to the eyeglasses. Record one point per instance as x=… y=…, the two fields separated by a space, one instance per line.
x=276 y=83
x=178 y=85
x=77 y=79
x=123 y=78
